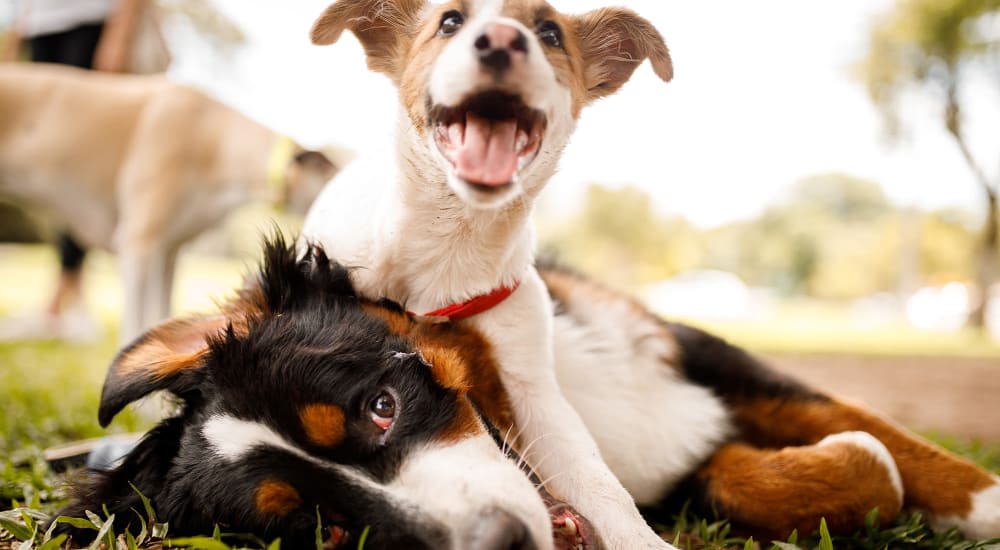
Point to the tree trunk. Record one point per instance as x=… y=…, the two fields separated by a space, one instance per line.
x=986 y=274
x=986 y=270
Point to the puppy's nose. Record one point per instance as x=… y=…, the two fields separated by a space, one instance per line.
x=499 y=530
x=499 y=44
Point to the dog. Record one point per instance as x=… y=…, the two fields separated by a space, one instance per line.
x=490 y=92
x=305 y=403
x=304 y=398
x=139 y=165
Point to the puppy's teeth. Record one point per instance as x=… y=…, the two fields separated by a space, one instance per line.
x=569 y=526
x=521 y=141
x=455 y=134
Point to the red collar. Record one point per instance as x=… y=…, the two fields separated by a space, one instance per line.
x=472 y=306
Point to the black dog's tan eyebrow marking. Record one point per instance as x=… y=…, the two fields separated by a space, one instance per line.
x=277 y=498
x=323 y=424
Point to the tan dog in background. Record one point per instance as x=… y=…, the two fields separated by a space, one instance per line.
x=139 y=165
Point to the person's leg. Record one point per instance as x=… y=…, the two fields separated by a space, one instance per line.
x=69 y=288
x=79 y=45
x=74 y=47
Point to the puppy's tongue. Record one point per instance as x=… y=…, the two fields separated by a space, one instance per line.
x=488 y=155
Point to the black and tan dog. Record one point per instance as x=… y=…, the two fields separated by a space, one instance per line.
x=301 y=398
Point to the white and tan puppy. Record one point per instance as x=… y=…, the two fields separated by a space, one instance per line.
x=490 y=93
x=139 y=165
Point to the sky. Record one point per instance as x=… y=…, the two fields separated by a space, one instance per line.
x=762 y=97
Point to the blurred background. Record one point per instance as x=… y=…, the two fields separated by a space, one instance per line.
x=818 y=183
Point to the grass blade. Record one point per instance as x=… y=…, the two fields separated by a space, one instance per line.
x=79 y=523
x=364 y=537
x=150 y=513
x=825 y=542
x=105 y=529
x=15 y=528
x=54 y=544
x=319 y=530
x=199 y=543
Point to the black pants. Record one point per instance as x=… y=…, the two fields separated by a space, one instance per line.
x=74 y=47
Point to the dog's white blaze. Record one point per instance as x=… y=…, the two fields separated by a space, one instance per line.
x=983 y=521
x=452 y=483
x=457 y=74
x=877 y=449
x=487 y=8
x=232 y=438
x=652 y=426
x=455 y=483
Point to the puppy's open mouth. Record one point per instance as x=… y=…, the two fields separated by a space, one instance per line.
x=489 y=137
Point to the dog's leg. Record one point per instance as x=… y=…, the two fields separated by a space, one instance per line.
x=160 y=287
x=553 y=438
x=773 y=410
x=133 y=270
x=774 y=491
x=147 y=273
x=953 y=491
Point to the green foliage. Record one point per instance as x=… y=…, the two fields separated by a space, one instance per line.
x=619 y=238
x=924 y=42
x=832 y=236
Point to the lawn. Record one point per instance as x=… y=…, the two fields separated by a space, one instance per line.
x=50 y=392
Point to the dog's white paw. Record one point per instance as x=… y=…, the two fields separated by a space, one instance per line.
x=983 y=521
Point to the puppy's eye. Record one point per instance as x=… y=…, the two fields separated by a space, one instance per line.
x=451 y=21
x=383 y=410
x=550 y=33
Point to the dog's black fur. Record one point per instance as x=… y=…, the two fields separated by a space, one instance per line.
x=315 y=344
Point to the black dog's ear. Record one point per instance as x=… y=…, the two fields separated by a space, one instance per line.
x=382 y=26
x=168 y=357
x=614 y=42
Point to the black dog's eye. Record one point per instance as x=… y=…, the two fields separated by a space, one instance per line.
x=550 y=33
x=451 y=21
x=383 y=409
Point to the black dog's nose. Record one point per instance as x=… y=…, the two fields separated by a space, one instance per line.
x=500 y=530
x=498 y=44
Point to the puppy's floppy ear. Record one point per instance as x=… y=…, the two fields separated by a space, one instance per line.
x=614 y=41
x=382 y=26
x=169 y=357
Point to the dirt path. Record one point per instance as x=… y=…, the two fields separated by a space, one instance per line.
x=954 y=396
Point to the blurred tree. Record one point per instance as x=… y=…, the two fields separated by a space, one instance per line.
x=619 y=238
x=947 y=246
x=831 y=236
x=932 y=46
